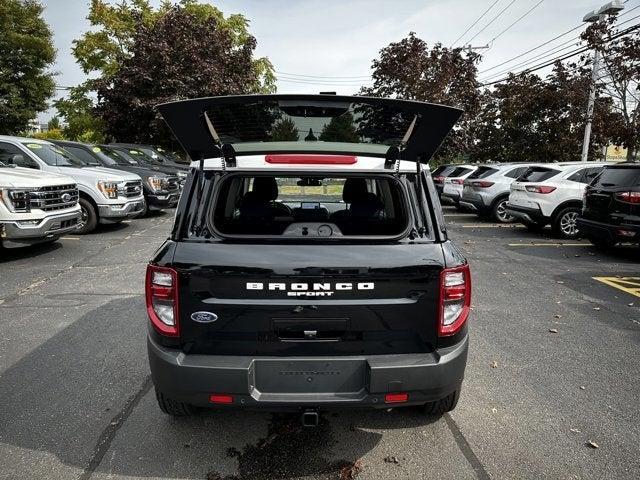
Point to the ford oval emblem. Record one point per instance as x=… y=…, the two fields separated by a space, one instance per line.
x=204 y=317
x=65 y=197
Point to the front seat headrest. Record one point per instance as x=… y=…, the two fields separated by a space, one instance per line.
x=265 y=188
x=354 y=189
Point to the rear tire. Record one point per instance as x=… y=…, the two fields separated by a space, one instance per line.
x=88 y=217
x=173 y=407
x=564 y=224
x=499 y=212
x=442 y=406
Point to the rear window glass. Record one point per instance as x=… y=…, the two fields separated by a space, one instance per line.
x=538 y=174
x=439 y=170
x=459 y=172
x=310 y=207
x=483 y=172
x=516 y=172
x=619 y=177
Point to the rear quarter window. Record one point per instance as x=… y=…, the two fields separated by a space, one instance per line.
x=618 y=177
x=538 y=174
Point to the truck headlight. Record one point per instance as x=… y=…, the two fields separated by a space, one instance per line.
x=17 y=201
x=157 y=184
x=108 y=189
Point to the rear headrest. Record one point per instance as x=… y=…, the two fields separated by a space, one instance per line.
x=265 y=188
x=354 y=189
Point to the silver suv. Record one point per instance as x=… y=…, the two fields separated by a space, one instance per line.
x=486 y=191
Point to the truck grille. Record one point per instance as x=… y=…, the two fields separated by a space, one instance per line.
x=57 y=197
x=132 y=189
x=173 y=184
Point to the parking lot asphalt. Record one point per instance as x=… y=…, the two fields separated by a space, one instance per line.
x=551 y=388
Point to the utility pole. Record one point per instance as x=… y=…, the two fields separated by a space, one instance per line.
x=470 y=49
x=611 y=8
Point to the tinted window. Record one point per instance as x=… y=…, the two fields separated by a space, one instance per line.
x=483 y=172
x=459 y=172
x=12 y=155
x=538 y=174
x=439 y=170
x=619 y=177
x=516 y=172
x=296 y=206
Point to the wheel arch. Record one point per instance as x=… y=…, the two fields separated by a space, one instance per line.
x=498 y=198
x=565 y=204
x=89 y=198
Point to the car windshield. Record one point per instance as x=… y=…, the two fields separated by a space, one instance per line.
x=141 y=157
x=300 y=206
x=111 y=157
x=619 y=177
x=538 y=174
x=53 y=155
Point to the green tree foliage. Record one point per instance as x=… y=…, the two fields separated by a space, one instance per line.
x=53 y=124
x=340 y=129
x=180 y=55
x=284 y=131
x=409 y=69
x=26 y=53
x=82 y=124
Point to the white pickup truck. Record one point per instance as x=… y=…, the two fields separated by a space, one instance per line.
x=106 y=195
x=35 y=207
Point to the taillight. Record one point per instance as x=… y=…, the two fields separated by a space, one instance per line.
x=455 y=299
x=293 y=159
x=540 y=188
x=438 y=179
x=628 y=197
x=457 y=181
x=482 y=184
x=162 y=299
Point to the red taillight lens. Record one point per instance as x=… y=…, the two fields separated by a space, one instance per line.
x=540 y=188
x=311 y=159
x=161 y=290
x=628 y=197
x=396 y=397
x=438 y=179
x=457 y=181
x=455 y=299
x=482 y=184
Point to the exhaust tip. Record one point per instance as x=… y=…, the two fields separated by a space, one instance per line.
x=310 y=418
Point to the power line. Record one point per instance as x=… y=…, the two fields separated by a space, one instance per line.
x=473 y=24
x=519 y=18
x=493 y=20
x=322 y=76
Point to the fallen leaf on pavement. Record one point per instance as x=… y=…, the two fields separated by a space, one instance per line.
x=575 y=430
x=592 y=444
x=582 y=387
x=391 y=459
x=494 y=410
x=553 y=330
x=557 y=315
x=351 y=470
x=560 y=281
x=494 y=364
x=597 y=309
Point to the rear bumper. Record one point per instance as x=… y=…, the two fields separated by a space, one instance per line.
x=607 y=231
x=117 y=212
x=451 y=197
x=528 y=215
x=296 y=382
x=159 y=202
x=473 y=202
x=21 y=233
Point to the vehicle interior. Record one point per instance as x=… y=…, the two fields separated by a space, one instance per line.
x=310 y=206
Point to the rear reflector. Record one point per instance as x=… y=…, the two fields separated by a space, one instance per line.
x=311 y=159
x=396 y=397
x=219 y=398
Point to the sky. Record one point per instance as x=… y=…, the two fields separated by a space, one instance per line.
x=333 y=38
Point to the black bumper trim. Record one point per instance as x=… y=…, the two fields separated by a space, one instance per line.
x=530 y=215
x=192 y=378
x=606 y=231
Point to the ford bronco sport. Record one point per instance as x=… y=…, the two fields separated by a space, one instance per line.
x=309 y=265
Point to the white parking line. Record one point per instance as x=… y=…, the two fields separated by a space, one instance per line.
x=69 y=238
x=549 y=244
x=490 y=225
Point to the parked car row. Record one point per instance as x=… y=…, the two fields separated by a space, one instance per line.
x=51 y=188
x=541 y=194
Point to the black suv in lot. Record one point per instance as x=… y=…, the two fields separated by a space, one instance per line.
x=308 y=274
x=611 y=208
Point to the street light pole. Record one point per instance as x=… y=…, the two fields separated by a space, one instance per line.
x=610 y=8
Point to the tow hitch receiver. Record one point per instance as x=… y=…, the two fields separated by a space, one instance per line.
x=309 y=418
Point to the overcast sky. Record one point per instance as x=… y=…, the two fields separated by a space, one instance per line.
x=333 y=38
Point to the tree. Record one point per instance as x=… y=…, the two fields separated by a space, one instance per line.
x=54 y=124
x=619 y=78
x=180 y=55
x=340 y=129
x=284 y=131
x=82 y=124
x=26 y=53
x=409 y=69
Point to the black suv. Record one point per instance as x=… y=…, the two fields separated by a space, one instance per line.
x=309 y=265
x=161 y=191
x=611 y=209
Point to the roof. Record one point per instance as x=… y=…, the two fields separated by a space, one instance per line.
x=23 y=139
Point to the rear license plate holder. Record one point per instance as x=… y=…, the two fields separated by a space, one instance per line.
x=303 y=376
